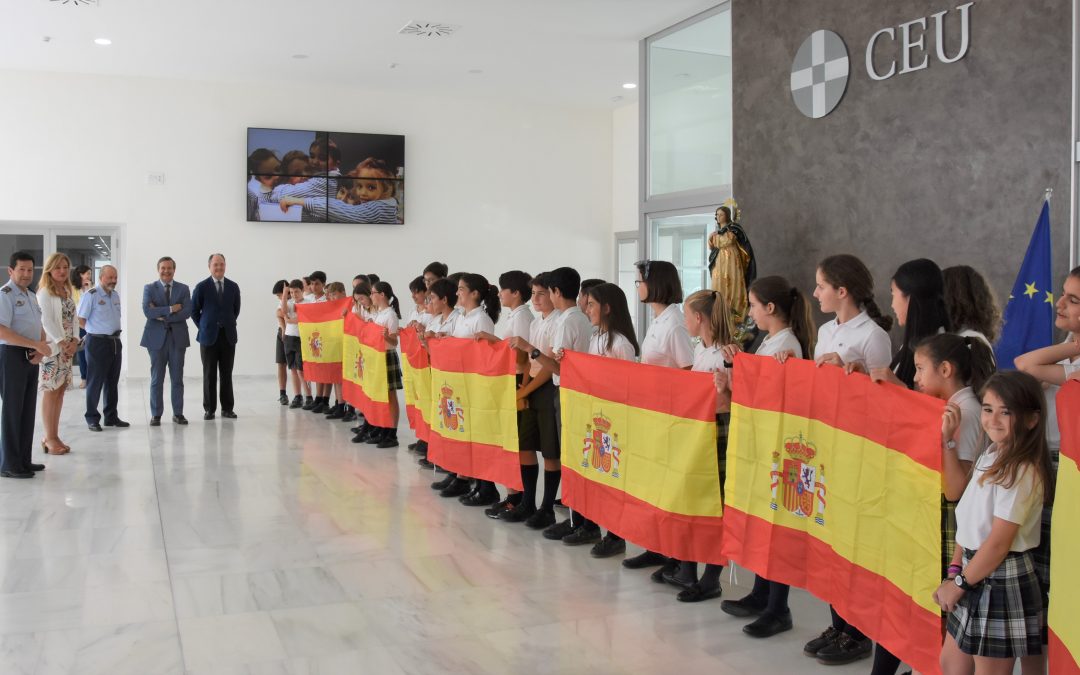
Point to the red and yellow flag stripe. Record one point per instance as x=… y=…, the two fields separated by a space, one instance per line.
x=639 y=454
x=416 y=376
x=363 y=370
x=1064 y=592
x=834 y=485
x=474 y=409
x=321 y=335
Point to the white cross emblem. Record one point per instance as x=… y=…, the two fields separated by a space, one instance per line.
x=819 y=74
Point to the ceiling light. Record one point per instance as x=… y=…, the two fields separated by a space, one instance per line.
x=476 y=71
x=299 y=56
x=104 y=42
x=629 y=85
x=616 y=99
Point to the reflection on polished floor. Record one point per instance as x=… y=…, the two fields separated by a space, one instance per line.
x=271 y=545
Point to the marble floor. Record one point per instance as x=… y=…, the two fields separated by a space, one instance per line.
x=271 y=545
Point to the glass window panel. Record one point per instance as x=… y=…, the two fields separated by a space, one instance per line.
x=682 y=241
x=94 y=251
x=34 y=244
x=689 y=107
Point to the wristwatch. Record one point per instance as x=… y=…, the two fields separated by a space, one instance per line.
x=950 y=444
x=535 y=354
x=961 y=581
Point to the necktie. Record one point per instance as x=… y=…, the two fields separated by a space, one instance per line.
x=220 y=291
x=168 y=295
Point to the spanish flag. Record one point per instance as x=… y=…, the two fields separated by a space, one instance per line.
x=834 y=485
x=639 y=453
x=416 y=376
x=474 y=409
x=321 y=332
x=363 y=370
x=1064 y=593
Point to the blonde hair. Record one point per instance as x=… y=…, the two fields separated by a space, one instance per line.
x=714 y=308
x=335 y=287
x=51 y=285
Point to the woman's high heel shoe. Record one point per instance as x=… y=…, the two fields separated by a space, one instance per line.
x=63 y=450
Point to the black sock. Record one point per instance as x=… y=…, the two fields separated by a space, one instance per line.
x=551 y=488
x=710 y=578
x=884 y=662
x=760 y=595
x=778 y=599
x=529 y=475
x=282 y=391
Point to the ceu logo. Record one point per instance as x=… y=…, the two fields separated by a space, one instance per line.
x=803 y=492
x=315 y=343
x=601 y=447
x=819 y=74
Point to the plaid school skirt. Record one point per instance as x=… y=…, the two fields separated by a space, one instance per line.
x=1003 y=617
x=393 y=370
x=948 y=534
x=723 y=427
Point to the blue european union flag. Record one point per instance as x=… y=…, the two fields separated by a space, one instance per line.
x=1029 y=314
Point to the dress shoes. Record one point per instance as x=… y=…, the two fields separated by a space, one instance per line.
x=481 y=497
x=541 y=520
x=768 y=625
x=119 y=424
x=297 y=402
x=698 y=593
x=208 y=416
x=349 y=416
x=442 y=484
x=668 y=570
x=557 y=532
x=646 y=559
x=155 y=421
x=93 y=426
x=309 y=403
x=389 y=440
x=456 y=488
x=607 y=547
x=17 y=474
x=747 y=606
x=228 y=414
x=582 y=535
x=179 y=419
x=37 y=467
x=423 y=461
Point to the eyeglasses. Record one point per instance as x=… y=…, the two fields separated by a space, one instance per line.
x=644 y=266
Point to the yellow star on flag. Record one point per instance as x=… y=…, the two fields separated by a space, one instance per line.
x=1050 y=297
x=1030 y=290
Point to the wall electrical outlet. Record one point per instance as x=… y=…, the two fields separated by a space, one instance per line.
x=155 y=179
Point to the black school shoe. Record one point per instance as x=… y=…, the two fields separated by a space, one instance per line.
x=608 y=546
x=668 y=570
x=845 y=650
x=828 y=637
x=677 y=577
x=743 y=607
x=350 y=414
x=337 y=412
x=283 y=399
x=443 y=484
x=376 y=436
x=297 y=402
x=588 y=534
x=646 y=559
x=560 y=530
x=456 y=488
x=768 y=625
x=541 y=520
x=485 y=494
x=309 y=403
x=389 y=440
x=697 y=593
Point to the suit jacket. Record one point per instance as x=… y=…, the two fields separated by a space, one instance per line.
x=212 y=314
x=159 y=320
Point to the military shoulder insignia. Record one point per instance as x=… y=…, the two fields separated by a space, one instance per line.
x=92 y=291
x=6 y=289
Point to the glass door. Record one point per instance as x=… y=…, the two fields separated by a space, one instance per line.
x=32 y=243
x=93 y=251
x=628 y=252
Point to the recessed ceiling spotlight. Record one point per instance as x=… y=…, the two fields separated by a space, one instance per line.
x=616 y=99
x=392 y=66
x=46 y=38
x=476 y=71
x=428 y=29
x=299 y=56
x=104 y=42
x=629 y=85
x=682 y=76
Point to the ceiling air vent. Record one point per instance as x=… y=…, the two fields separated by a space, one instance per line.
x=76 y=3
x=430 y=29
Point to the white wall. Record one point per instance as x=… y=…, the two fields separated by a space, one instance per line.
x=491 y=185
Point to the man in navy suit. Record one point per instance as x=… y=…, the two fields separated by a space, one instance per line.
x=215 y=304
x=166 y=304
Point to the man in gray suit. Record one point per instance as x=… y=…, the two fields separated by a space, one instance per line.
x=167 y=306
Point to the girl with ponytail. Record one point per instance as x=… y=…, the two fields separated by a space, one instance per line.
x=707 y=316
x=918 y=302
x=855 y=340
x=480 y=302
x=783 y=312
x=388 y=315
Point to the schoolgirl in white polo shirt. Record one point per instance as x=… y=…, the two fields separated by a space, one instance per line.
x=855 y=340
x=992 y=590
x=666 y=343
x=442 y=301
x=613 y=337
x=419 y=316
x=782 y=311
x=387 y=314
x=479 y=301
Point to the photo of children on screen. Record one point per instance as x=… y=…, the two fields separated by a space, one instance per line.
x=297 y=176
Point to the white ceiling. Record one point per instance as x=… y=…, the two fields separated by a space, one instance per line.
x=565 y=52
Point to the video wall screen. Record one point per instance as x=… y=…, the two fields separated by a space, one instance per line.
x=325 y=177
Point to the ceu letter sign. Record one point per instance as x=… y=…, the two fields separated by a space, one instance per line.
x=820 y=71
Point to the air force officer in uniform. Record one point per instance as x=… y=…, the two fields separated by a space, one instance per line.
x=99 y=315
x=166 y=304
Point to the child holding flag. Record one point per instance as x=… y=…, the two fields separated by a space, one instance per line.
x=387 y=314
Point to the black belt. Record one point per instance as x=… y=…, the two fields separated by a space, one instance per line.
x=110 y=336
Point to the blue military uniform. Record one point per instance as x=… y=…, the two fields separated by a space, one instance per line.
x=19 y=312
x=104 y=353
